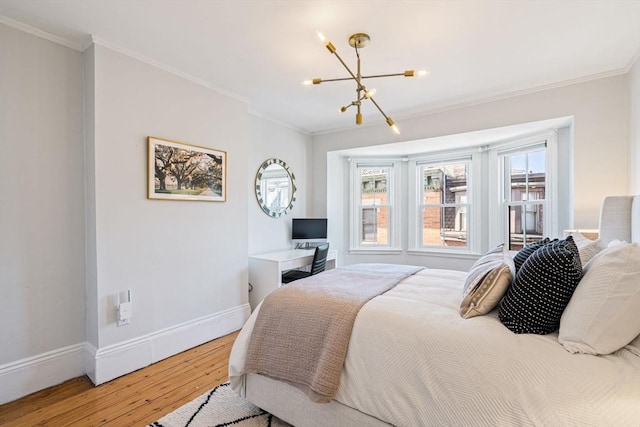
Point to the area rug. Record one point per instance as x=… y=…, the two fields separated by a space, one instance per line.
x=218 y=408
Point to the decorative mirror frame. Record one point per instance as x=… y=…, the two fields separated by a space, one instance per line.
x=260 y=197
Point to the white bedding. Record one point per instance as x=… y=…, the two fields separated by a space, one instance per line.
x=413 y=361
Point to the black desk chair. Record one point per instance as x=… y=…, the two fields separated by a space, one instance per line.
x=317 y=266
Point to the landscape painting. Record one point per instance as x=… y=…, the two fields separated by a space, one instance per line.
x=179 y=171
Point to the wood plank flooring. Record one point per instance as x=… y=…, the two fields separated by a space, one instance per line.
x=136 y=399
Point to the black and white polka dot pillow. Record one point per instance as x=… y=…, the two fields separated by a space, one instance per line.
x=527 y=251
x=542 y=289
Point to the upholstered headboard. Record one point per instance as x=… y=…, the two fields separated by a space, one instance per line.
x=620 y=219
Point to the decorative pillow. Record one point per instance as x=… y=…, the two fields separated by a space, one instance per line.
x=487 y=282
x=633 y=346
x=603 y=314
x=616 y=242
x=588 y=248
x=542 y=289
x=527 y=251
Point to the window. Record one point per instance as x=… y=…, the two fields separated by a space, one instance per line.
x=373 y=206
x=524 y=181
x=524 y=175
x=526 y=195
x=444 y=204
x=460 y=202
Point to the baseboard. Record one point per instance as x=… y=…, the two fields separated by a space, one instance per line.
x=25 y=376
x=122 y=358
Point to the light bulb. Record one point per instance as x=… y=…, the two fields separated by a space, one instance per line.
x=307 y=82
x=368 y=94
x=343 y=109
x=414 y=73
x=326 y=42
x=393 y=126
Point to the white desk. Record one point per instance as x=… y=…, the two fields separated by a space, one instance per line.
x=265 y=270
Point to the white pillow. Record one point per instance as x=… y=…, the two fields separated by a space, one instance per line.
x=603 y=314
x=586 y=247
x=616 y=242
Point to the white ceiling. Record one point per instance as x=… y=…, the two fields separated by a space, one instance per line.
x=261 y=50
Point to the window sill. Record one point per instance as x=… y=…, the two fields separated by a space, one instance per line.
x=445 y=254
x=381 y=251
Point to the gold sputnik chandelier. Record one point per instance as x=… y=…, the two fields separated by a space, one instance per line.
x=359 y=41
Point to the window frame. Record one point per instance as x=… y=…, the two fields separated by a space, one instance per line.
x=415 y=237
x=498 y=183
x=394 y=213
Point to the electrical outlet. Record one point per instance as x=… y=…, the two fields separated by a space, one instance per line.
x=124 y=313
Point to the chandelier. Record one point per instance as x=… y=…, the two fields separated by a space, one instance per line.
x=359 y=41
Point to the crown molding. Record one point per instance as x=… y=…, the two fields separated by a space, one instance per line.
x=91 y=40
x=483 y=100
x=164 y=67
x=632 y=61
x=278 y=122
x=40 y=33
x=470 y=102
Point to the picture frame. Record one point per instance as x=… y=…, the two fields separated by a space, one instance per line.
x=179 y=171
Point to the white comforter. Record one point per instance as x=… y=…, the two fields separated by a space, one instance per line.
x=413 y=361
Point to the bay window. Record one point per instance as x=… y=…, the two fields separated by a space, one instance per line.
x=460 y=202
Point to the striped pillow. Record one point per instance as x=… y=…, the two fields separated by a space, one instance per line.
x=487 y=282
x=542 y=289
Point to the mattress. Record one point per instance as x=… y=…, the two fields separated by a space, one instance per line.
x=412 y=360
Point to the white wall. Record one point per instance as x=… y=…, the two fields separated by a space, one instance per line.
x=600 y=139
x=634 y=127
x=185 y=262
x=76 y=226
x=42 y=237
x=267 y=140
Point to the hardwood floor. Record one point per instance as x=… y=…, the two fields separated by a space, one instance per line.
x=136 y=399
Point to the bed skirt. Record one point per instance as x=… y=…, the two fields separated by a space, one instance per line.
x=279 y=398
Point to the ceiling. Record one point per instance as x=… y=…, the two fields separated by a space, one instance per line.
x=261 y=50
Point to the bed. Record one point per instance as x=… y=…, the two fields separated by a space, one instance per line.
x=413 y=360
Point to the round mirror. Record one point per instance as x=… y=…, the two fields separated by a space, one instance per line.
x=275 y=187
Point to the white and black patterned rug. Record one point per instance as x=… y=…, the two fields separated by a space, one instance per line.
x=219 y=407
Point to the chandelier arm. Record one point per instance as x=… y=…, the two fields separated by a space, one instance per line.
x=383 y=75
x=390 y=121
x=336 y=80
x=345 y=66
x=378 y=107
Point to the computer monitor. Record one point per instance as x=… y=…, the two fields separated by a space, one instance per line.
x=308 y=230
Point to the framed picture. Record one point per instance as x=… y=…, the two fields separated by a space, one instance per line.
x=179 y=171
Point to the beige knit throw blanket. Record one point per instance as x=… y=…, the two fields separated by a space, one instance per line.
x=302 y=330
